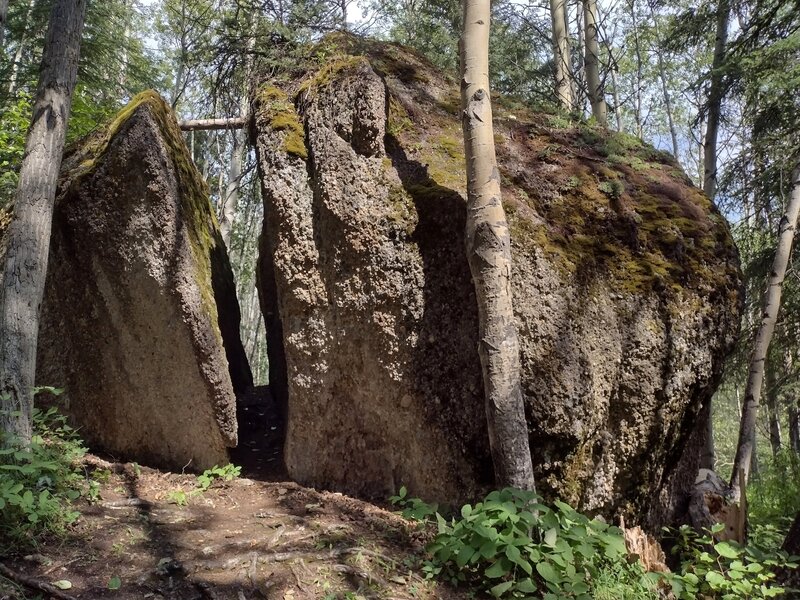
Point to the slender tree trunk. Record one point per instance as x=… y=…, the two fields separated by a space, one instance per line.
x=561 y=57
x=16 y=62
x=772 y=301
x=615 y=97
x=29 y=233
x=792 y=406
x=794 y=426
x=662 y=75
x=771 y=393
x=637 y=92
x=592 y=63
x=489 y=254
x=579 y=94
x=715 y=101
x=708 y=455
x=230 y=202
x=3 y=17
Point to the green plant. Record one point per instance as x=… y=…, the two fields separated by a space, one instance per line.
x=228 y=472
x=204 y=482
x=725 y=570
x=178 y=497
x=513 y=546
x=413 y=508
x=39 y=482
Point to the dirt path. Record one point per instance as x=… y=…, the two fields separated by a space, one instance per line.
x=242 y=539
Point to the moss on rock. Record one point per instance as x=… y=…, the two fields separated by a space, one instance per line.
x=273 y=103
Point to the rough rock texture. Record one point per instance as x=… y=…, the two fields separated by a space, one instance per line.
x=626 y=288
x=137 y=276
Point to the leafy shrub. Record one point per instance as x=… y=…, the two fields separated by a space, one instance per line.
x=725 y=570
x=39 y=483
x=513 y=546
x=14 y=124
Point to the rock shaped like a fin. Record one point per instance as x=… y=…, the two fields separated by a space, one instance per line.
x=138 y=276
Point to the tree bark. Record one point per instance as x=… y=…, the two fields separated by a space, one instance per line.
x=489 y=254
x=561 y=57
x=792 y=542
x=715 y=101
x=794 y=426
x=771 y=393
x=592 y=63
x=708 y=456
x=3 y=18
x=772 y=301
x=29 y=233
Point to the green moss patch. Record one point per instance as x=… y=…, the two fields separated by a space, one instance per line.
x=595 y=202
x=280 y=113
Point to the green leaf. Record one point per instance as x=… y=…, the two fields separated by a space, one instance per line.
x=551 y=536
x=464 y=555
x=726 y=550
x=114 y=583
x=63 y=584
x=488 y=549
x=501 y=588
x=715 y=579
x=499 y=569
x=548 y=572
x=526 y=586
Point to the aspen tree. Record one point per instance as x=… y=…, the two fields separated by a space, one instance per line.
x=29 y=233
x=592 y=63
x=772 y=301
x=561 y=57
x=489 y=253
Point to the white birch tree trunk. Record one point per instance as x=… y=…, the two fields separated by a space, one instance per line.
x=772 y=300
x=29 y=233
x=489 y=254
x=592 y=63
x=561 y=56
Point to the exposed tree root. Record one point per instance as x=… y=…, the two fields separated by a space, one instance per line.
x=34 y=584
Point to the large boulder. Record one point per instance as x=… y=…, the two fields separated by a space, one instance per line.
x=626 y=288
x=140 y=307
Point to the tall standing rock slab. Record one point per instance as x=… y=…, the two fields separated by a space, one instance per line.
x=138 y=279
x=625 y=280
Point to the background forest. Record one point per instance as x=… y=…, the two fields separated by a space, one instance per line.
x=683 y=76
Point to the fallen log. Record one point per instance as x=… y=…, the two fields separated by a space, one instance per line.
x=208 y=124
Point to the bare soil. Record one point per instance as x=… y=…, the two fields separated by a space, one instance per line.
x=244 y=539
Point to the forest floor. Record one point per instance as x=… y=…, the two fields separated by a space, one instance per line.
x=154 y=534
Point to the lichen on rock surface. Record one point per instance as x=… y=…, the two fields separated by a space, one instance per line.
x=140 y=319
x=626 y=289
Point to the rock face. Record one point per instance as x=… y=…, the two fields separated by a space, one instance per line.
x=138 y=276
x=626 y=289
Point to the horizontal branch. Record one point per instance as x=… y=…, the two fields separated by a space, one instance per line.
x=206 y=124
